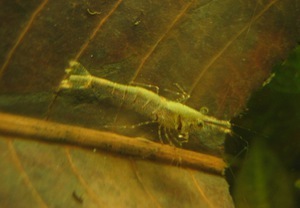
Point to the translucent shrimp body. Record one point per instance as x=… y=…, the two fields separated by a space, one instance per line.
x=172 y=116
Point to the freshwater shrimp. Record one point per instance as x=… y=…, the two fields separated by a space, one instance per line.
x=170 y=115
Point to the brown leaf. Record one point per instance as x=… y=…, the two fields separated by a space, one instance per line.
x=67 y=176
x=217 y=51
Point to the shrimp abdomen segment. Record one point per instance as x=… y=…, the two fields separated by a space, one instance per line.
x=136 y=98
x=143 y=101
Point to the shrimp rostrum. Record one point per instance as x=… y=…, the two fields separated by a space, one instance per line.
x=171 y=116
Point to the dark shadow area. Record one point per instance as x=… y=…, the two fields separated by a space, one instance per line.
x=270 y=130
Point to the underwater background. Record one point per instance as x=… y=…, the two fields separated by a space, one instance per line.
x=269 y=175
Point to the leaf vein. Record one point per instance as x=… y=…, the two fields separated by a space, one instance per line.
x=21 y=36
x=91 y=193
x=160 y=39
x=24 y=175
x=97 y=28
x=229 y=43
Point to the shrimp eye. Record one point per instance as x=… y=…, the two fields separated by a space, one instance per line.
x=200 y=124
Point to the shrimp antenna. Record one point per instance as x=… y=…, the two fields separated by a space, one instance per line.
x=239 y=148
x=246 y=143
x=247 y=130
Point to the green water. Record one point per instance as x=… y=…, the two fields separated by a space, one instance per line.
x=270 y=173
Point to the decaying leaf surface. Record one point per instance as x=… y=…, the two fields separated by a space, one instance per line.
x=184 y=190
x=218 y=51
x=95 y=178
x=49 y=175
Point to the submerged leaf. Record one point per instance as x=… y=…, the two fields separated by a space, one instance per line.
x=217 y=51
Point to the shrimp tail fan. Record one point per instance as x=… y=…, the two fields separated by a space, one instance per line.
x=77 y=77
